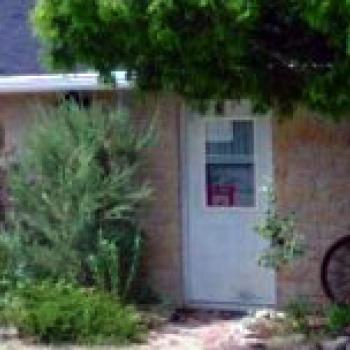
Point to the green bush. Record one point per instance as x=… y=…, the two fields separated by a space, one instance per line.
x=297 y=312
x=286 y=244
x=338 y=318
x=77 y=194
x=60 y=313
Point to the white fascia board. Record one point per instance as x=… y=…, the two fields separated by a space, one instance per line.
x=60 y=83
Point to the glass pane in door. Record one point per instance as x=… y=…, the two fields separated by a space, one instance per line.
x=230 y=168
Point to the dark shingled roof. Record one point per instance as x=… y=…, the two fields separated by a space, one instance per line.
x=19 y=54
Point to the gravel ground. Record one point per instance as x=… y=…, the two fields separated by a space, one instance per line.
x=203 y=331
x=217 y=335
x=192 y=333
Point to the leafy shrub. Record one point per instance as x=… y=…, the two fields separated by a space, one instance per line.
x=76 y=195
x=114 y=266
x=286 y=244
x=60 y=312
x=338 y=318
x=297 y=312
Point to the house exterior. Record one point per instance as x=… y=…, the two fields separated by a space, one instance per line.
x=210 y=177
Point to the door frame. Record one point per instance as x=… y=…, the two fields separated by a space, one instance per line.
x=184 y=195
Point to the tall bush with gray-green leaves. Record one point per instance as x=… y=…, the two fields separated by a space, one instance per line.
x=76 y=198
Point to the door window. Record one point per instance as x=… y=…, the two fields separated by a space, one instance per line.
x=230 y=168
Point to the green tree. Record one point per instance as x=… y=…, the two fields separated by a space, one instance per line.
x=276 y=53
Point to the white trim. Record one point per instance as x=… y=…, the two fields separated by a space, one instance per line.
x=60 y=82
x=231 y=306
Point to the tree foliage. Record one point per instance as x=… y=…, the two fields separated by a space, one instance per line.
x=276 y=53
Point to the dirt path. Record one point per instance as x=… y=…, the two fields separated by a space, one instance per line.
x=204 y=331
x=217 y=335
x=201 y=332
x=214 y=335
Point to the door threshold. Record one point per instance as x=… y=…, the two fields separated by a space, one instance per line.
x=228 y=306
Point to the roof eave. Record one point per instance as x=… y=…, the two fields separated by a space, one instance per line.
x=61 y=82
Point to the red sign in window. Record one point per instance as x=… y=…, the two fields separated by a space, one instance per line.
x=221 y=195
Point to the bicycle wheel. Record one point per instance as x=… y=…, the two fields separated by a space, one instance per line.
x=335 y=271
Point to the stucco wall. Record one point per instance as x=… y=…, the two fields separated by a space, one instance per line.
x=312 y=167
x=312 y=161
x=162 y=217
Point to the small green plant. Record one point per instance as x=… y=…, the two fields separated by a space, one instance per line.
x=61 y=313
x=297 y=312
x=286 y=244
x=338 y=318
x=115 y=265
x=105 y=265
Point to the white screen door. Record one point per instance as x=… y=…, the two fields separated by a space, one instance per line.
x=228 y=168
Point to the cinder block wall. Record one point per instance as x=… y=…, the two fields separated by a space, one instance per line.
x=162 y=169
x=312 y=160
